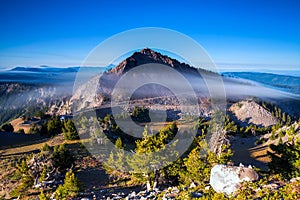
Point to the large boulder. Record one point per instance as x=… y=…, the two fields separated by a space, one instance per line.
x=227 y=179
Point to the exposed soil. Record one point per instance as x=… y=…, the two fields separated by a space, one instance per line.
x=244 y=153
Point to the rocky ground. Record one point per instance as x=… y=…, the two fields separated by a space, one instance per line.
x=249 y=112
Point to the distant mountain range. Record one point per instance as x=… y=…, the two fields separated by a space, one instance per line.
x=285 y=83
x=48 y=75
x=45 y=69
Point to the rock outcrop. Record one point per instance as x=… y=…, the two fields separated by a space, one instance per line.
x=227 y=179
x=249 y=112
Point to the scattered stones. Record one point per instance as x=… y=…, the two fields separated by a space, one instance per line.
x=271 y=186
x=192 y=185
x=131 y=195
x=295 y=179
x=196 y=194
x=175 y=190
x=207 y=187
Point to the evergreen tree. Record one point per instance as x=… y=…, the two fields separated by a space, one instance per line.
x=115 y=165
x=70 y=188
x=26 y=181
x=285 y=159
x=146 y=163
x=62 y=157
x=46 y=147
x=284 y=117
x=69 y=130
x=289 y=120
x=53 y=126
x=200 y=160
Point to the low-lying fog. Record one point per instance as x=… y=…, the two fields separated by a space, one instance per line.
x=161 y=82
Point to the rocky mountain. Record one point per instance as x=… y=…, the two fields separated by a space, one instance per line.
x=147 y=93
x=249 y=112
x=27 y=89
x=235 y=89
x=146 y=56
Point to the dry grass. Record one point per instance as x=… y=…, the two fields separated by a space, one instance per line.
x=18 y=124
x=57 y=140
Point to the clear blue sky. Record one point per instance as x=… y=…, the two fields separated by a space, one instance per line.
x=256 y=33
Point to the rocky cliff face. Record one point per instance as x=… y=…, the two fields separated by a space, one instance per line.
x=21 y=98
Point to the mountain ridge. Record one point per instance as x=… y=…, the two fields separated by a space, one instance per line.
x=147 y=56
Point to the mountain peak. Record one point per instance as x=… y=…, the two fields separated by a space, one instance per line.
x=147 y=51
x=147 y=56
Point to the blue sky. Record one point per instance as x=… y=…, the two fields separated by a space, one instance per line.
x=240 y=34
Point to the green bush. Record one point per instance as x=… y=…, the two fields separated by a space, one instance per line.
x=43 y=196
x=46 y=147
x=70 y=188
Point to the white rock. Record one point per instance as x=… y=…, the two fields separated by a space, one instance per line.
x=175 y=190
x=295 y=179
x=228 y=179
x=271 y=186
x=193 y=185
x=207 y=187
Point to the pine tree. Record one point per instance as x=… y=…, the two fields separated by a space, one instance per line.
x=285 y=159
x=62 y=157
x=289 y=120
x=116 y=164
x=199 y=162
x=53 y=126
x=71 y=184
x=46 y=147
x=26 y=181
x=70 y=188
x=69 y=130
x=284 y=117
x=151 y=154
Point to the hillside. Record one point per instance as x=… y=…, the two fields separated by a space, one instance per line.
x=249 y=112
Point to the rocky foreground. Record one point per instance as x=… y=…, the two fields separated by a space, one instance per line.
x=224 y=179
